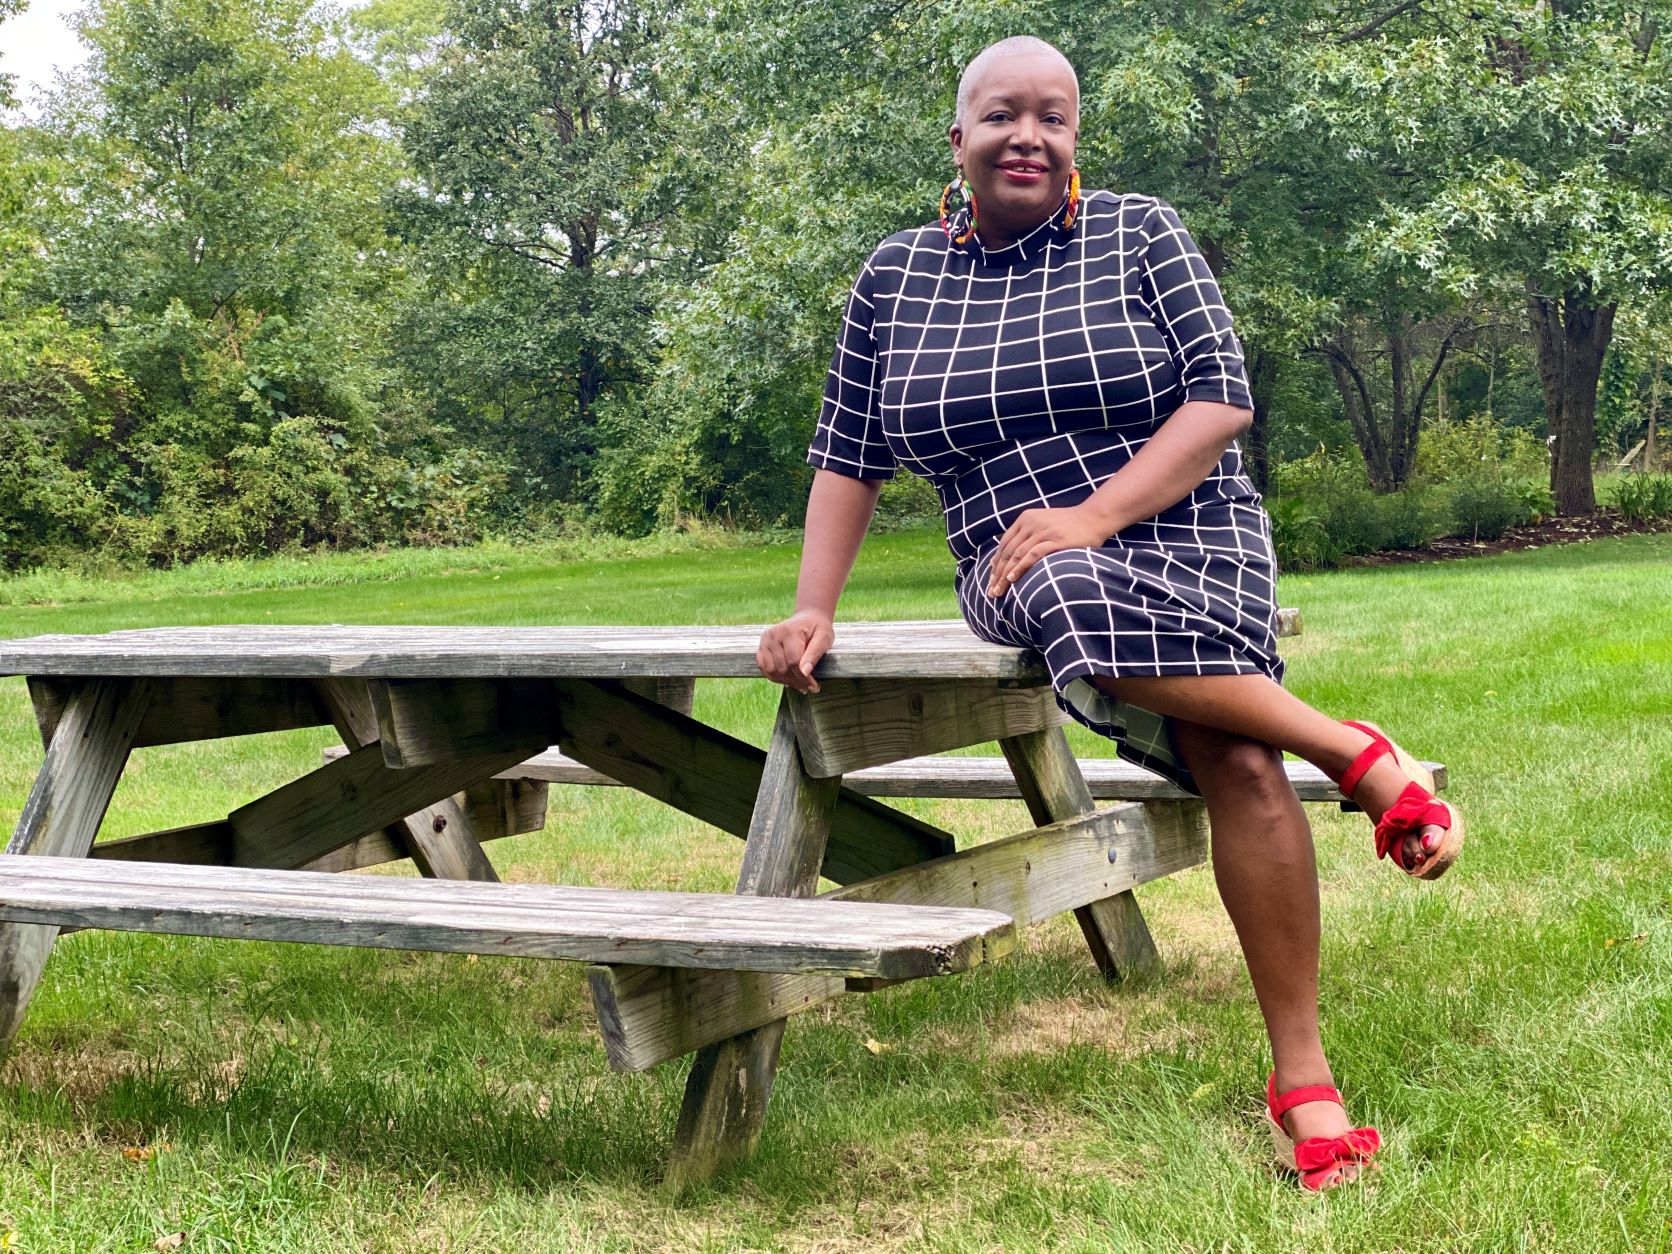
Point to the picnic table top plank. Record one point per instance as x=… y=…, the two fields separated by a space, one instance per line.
x=928 y=649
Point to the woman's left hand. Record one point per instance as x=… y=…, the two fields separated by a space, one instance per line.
x=1036 y=532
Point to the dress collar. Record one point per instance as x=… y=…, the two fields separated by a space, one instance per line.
x=1023 y=249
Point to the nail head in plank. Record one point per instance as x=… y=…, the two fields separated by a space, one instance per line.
x=443 y=839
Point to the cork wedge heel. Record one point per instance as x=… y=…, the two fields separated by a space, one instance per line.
x=1319 y=1161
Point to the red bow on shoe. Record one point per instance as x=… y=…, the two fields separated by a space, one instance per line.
x=1414 y=810
x=1319 y=1153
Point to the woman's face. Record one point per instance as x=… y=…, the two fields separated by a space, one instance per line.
x=1016 y=142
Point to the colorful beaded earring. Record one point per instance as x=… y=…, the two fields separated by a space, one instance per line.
x=961 y=186
x=1073 y=199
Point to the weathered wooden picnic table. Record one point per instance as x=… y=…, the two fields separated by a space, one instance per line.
x=431 y=718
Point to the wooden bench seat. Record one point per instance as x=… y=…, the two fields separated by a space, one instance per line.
x=972 y=778
x=785 y=935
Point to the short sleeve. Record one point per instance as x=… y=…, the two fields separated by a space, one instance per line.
x=849 y=438
x=1191 y=313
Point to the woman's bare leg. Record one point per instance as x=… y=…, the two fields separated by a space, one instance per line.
x=1264 y=865
x=1259 y=708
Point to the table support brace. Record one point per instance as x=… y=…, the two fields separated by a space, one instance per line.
x=439 y=837
x=1054 y=789
x=89 y=748
x=730 y=1083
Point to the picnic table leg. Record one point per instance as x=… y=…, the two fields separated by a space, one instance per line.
x=731 y=1082
x=89 y=748
x=439 y=838
x=1054 y=788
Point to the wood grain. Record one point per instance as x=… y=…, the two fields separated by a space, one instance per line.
x=716 y=778
x=345 y=800
x=938 y=649
x=730 y=1082
x=1054 y=789
x=973 y=778
x=423 y=721
x=89 y=748
x=658 y=1015
x=440 y=838
x=704 y=930
x=854 y=723
x=189 y=707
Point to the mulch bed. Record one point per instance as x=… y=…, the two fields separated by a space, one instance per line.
x=1533 y=536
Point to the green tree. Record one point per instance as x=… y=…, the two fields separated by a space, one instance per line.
x=1551 y=126
x=222 y=221
x=535 y=139
x=8 y=82
x=214 y=227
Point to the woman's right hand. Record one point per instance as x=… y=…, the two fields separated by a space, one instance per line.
x=789 y=650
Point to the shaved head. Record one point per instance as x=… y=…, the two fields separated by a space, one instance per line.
x=1016 y=45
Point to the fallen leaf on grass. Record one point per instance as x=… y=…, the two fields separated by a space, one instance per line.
x=1622 y=940
x=172 y=1241
x=138 y=1153
x=878 y=1048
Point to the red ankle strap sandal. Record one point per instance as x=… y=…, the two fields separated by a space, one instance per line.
x=1318 y=1160
x=1415 y=808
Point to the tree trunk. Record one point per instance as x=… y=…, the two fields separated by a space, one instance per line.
x=1651 y=459
x=1361 y=413
x=1262 y=381
x=588 y=363
x=1572 y=332
x=1403 y=415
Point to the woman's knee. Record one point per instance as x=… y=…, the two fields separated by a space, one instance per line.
x=1234 y=766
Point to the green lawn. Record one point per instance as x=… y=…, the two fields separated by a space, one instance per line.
x=1509 y=1028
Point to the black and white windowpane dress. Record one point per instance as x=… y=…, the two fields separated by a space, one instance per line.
x=1026 y=376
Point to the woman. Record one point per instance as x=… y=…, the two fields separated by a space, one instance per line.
x=1062 y=368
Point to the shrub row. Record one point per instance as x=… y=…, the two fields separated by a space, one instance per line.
x=1475 y=481
x=1315 y=533
x=300 y=484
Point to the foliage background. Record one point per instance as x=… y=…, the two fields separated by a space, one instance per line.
x=278 y=276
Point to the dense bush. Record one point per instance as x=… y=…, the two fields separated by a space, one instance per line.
x=1492 y=477
x=1298 y=536
x=303 y=486
x=48 y=511
x=1483 y=507
x=1476 y=485
x=1344 y=517
x=907 y=498
x=1411 y=519
x=1467 y=448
